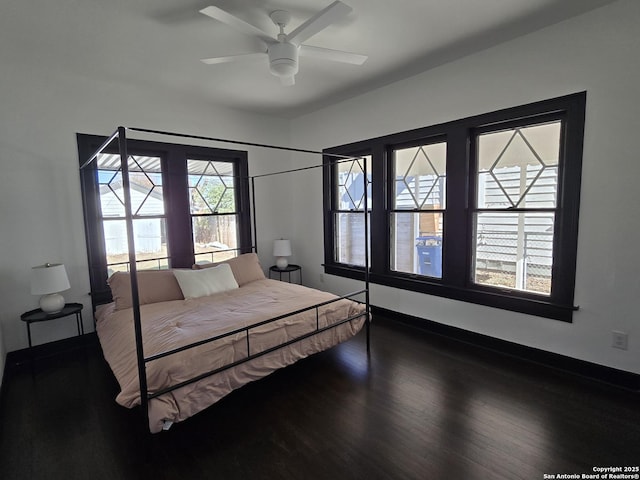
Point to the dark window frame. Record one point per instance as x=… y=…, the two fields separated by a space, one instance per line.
x=456 y=280
x=176 y=197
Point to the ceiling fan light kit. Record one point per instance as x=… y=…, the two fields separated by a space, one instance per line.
x=283 y=51
x=283 y=59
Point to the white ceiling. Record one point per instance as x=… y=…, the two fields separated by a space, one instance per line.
x=161 y=41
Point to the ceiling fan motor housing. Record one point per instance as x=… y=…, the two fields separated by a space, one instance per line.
x=283 y=59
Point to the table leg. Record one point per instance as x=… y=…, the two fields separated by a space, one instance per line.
x=30 y=350
x=79 y=323
x=29 y=333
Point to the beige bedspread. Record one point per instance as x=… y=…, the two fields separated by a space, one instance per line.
x=168 y=325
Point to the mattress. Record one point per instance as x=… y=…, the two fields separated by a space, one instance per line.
x=173 y=324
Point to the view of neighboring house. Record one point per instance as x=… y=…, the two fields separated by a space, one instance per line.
x=515 y=202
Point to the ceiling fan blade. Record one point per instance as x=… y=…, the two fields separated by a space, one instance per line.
x=319 y=21
x=288 y=81
x=233 y=58
x=235 y=22
x=333 y=55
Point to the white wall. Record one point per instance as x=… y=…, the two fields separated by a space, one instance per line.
x=596 y=52
x=40 y=202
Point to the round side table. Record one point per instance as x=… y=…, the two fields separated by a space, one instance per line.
x=288 y=269
x=37 y=315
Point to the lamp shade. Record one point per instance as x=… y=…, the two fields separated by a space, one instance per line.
x=282 y=248
x=49 y=278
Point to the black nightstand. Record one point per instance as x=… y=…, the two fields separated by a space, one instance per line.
x=288 y=269
x=38 y=315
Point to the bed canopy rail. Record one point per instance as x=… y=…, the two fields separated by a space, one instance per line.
x=120 y=135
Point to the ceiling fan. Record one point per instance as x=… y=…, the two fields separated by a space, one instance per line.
x=283 y=50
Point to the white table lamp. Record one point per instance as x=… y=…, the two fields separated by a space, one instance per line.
x=48 y=280
x=282 y=250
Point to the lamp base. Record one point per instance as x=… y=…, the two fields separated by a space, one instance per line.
x=282 y=263
x=52 y=303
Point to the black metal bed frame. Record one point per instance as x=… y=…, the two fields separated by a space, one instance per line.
x=145 y=396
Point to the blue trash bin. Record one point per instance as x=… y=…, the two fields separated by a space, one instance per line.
x=429 y=249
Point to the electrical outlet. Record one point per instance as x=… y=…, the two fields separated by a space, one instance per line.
x=620 y=340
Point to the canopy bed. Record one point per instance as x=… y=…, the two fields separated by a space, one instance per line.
x=178 y=340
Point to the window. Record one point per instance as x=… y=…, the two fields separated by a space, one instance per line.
x=214 y=209
x=517 y=186
x=482 y=209
x=188 y=204
x=147 y=206
x=348 y=218
x=419 y=199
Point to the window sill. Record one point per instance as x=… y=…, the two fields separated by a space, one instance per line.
x=529 y=304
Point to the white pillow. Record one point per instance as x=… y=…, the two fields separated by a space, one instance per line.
x=200 y=283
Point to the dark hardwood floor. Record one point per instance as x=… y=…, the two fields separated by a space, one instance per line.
x=420 y=407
